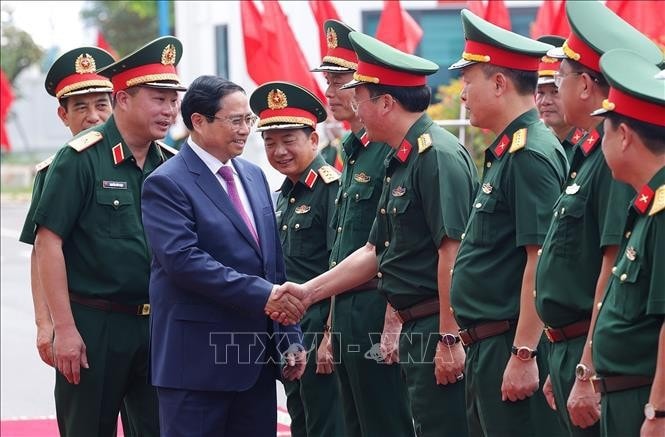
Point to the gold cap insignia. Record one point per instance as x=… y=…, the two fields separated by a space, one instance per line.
x=85 y=64
x=331 y=38
x=572 y=189
x=361 y=177
x=303 y=209
x=168 y=55
x=487 y=188
x=277 y=99
x=631 y=253
x=399 y=191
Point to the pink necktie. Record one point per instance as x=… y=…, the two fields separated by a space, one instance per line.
x=226 y=173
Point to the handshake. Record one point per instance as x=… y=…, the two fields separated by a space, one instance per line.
x=288 y=302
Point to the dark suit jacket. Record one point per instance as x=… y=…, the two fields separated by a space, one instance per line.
x=209 y=279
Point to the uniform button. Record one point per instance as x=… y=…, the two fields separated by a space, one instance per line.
x=463 y=235
x=116 y=202
x=333 y=264
x=478 y=205
x=387 y=243
x=336 y=201
x=540 y=252
x=292 y=200
x=353 y=161
x=345 y=195
x=357 y=196
x=388 y=179
x=297 y=226
x=556 y=213
x=383 y=210
x=488 y=165
x=379 y=275
x=623 y=277
x=284 y=228
x=628 y=234
x=573 y=175
x=563 y=210
x=394 y=210
x=614 y=269
x=339 y=229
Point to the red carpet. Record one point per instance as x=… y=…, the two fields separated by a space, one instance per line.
x=47 y=426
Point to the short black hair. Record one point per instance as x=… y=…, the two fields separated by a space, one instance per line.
x=525 y=82
x=412 y=99
x=204 y=97
x=594 y=75
x=652 y=135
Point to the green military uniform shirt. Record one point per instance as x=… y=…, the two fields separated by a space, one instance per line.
x=304 y=211
x=625 y=338
x=29 y=230
x=358 y=195
x=329 y=153
x=429 y=186
x=92 y=200
x=569 y=143
x=588 y=216
x=524 y=170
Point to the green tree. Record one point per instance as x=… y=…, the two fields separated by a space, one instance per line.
x=126 y=25
x=19 y=51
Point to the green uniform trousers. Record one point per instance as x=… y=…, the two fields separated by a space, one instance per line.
x=438 y=410
x=374 y=395
x=313 y=401
x=622 y=412
x=117 y=350
x=563 y=357
x=487 y=414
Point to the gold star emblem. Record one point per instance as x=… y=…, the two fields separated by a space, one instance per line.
x=277 y=99
x=644 y=198
x=84 y=64
x=168 y=55
x=331 y=38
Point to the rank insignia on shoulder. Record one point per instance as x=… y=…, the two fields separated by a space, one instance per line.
x=45 y=163
x=424 y=142
x=303 y=209
x=658 y=201
x=83 y=142
x=572 y=189
x=519 y=140
x=361 y=177
x=631 y=253
x=169 y=149
x=487 y=188
x=329 y=173
x=398 y=191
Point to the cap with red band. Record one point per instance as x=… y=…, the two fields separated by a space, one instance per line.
x=153 y=65
x=635 y=92
x=285 y=105
x=340 y=57
x=548 y=66
x=76 y=72
x=381 y=64
x=588 y=41
x=488 y=43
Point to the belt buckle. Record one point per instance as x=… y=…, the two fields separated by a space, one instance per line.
x=144 y=310
x=463 y=335
x=549 y=335
x=597 y=384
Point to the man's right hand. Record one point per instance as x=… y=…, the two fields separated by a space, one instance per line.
x=45 y=342
x=69 y=353
x=449 y=363
x=324 y=356
x=285 y=303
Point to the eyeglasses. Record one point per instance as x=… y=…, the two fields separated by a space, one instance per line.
x=558 y=77
x=237 y=121
x=356 y=105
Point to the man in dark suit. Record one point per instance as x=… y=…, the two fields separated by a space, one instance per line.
x=211 y=226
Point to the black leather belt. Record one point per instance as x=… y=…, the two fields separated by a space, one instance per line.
x=609 y=384
x=107 y=305
x=484 y=330
x=568 y=332
x=419 y=310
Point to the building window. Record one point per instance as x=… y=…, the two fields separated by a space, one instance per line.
x=222 y=51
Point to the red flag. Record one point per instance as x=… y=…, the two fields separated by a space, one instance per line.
x=6 y=99
x=323 y=10
x=253 y=37
x=103 y=44
x=551 y=19
x=646 y=16
x=397 y=28
x=285 y=59
x=477 y=7
x=494 y=11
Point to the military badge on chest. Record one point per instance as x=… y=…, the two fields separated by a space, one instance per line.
x=398 y=191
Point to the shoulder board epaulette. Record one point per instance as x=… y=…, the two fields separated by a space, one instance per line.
x=424 y=142
x=163 y=145
x=83 y=142
x=45 y=163
x=658 y=201
x=519 y=140
x=329 y=173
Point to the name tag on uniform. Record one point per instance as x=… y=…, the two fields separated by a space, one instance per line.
x=114 y=185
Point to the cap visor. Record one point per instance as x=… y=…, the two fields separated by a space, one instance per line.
x=461 y=64
x=557 y=52
x=332 y=69
x=165 y=86
x=281 y=126
x=599 y=111
x=87 y=91
x=354 y=83
x=545 y=80
x=660 y=75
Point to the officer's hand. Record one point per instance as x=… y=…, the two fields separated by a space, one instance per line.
x=584 y=404
x=45 y=342
x=294 y=365
x=653 y=428
x=284 y=306
x=449 y=363
x=520 y=379
x=69 y=353
x=324 y=356
x=392 y=328
x=549 y=393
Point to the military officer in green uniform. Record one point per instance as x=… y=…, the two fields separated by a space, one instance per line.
x=629 y=335
x=92 y=255
x=587 y=222
x=84 y=99
x=493 y=278
x=426 y=196
x=288 y=115
x=374 y=396
x=548 y=100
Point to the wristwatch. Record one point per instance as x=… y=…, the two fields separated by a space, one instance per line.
x=651 y=413
x=582 y=372
x=523 y=353
x=449 y=339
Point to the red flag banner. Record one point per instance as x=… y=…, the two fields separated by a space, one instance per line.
x=103 y=44
x=253 y=38
x=397 y=28
x=6 y=99
x=551 y=20
x=647 y=16
x=494 y=11
x=323 y=10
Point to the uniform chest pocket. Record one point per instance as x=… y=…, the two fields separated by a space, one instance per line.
x=479 y=230
x=568 y=219
x=361 y=206
x=117 y=213
x=302 y=235
x=401 y=223
x=628 y=274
